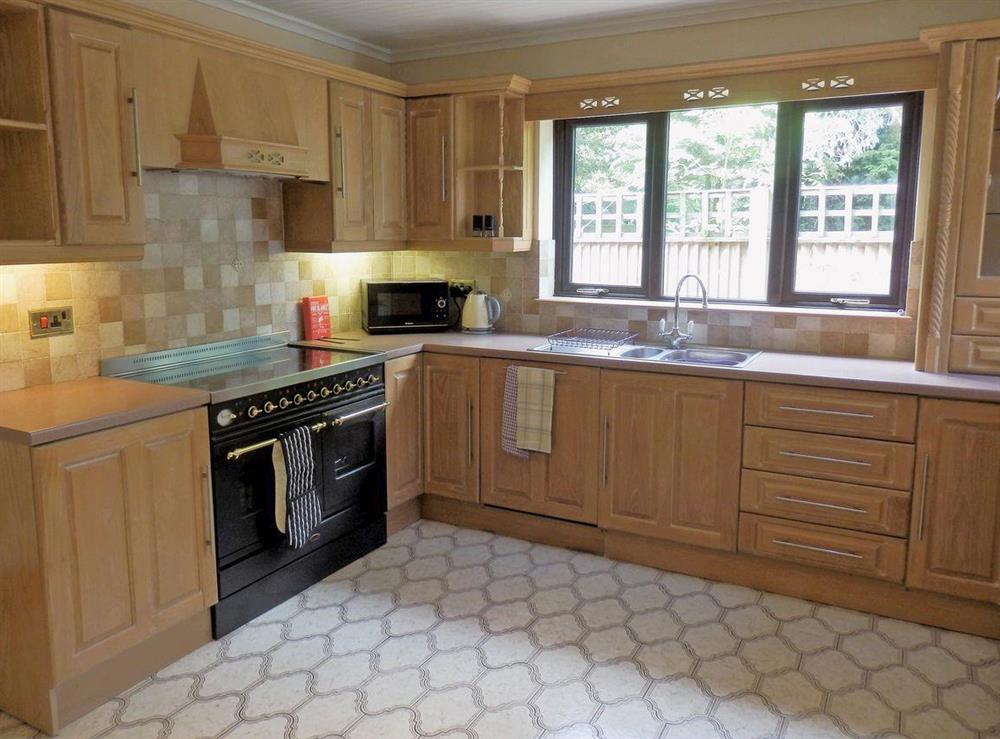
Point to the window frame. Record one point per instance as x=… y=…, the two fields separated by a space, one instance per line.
x=784 y=224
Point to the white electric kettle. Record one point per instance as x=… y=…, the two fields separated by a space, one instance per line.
x=480 y=312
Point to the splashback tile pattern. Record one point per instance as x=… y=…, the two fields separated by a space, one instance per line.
x=214 y=269
x=453 y=632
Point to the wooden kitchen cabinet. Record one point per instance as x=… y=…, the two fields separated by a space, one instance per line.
x=451 y=426
x=563 y=484
x=363 y=207
x=96 y=127
x=111 y=535
x=403 y=425
x=955 y=525
x=671 y=457
x=429 y=125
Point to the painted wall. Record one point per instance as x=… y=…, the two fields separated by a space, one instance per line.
x=885 y=20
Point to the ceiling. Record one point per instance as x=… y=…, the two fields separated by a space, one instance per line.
x=402 y=30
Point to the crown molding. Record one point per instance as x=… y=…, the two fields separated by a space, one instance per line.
x=277 y=19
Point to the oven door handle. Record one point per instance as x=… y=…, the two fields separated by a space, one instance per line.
x=340 y=420
x=240 y=451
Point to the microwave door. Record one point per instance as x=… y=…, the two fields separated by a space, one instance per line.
x=400 y=306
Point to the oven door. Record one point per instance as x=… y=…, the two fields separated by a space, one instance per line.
x=354 y=460
x=405 y=306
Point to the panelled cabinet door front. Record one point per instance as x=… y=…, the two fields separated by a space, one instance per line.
x=955 y=526
x=451 y=426
x=403 y=422
x=563 y=484
x=169 y=469
x=429 y=168
x=96 y=124
x=671 y=457
x=350 y=126
x=389 y=163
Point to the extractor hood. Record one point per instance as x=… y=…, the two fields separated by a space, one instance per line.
x=241 y=121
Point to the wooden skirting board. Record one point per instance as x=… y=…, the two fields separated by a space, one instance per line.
x=820 y=585
x=403 y=515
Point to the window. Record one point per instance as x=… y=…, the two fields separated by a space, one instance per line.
x=800 y=203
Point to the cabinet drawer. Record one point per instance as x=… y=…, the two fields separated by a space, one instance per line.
x=849 y=412
x=849 y=551
x=977 y=316
x=975 y=354
x=857 y=507
x=886 y=464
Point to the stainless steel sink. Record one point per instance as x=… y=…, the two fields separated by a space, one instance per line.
x=709 y=355
x=641 y=352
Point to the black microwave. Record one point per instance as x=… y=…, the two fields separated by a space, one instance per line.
x=397 y=306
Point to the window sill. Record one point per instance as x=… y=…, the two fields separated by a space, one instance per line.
x=728 y=307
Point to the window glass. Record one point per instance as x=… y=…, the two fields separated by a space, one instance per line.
x=847 y=200
x=609 y=181
x=717 y=210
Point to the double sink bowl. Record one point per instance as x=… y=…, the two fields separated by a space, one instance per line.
x=700 y=355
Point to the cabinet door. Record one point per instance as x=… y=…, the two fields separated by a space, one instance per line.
x=350 y=124
x=451 y=426
x=562 y=484
x=979 y=250
x=403 y=421
x=671 y=457
x=389 y=163
x=94 y=117
x=955 y=525
x=429 y=169
x=125 y=535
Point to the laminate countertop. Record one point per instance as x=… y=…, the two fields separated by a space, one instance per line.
x=46 y=413
x=797 y=369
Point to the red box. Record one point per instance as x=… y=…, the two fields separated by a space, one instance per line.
x=316 y=317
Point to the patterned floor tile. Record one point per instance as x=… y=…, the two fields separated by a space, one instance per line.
x=462 y=634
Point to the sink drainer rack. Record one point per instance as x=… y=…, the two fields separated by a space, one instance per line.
x=606 y=339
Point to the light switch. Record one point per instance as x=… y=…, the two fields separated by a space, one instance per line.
x=51 y=322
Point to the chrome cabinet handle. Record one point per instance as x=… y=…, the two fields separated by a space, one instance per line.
x=343 y=176
x=824 y=412
x=206 y=494
x=340 y=420
x=134 y=100
x=469 y=438
x=823 y=550
x=820 y=458
x=831 y=506
x=604 y=453
x=923 y=498
x=444 y=184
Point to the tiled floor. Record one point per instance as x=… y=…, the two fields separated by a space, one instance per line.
x=459 y=633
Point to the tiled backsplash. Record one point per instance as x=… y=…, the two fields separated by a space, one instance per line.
x=214 y=269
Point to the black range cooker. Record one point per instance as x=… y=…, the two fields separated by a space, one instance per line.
x=260 y=387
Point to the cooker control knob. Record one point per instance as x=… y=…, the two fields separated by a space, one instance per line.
x=362 y=382
x=225 y=417
x=298 y=399
x=311 y=395
x=338 y=389
x=372 y=379
x=324 y=393
x=253 y=411
x=269 y=407
x=350 y=386
x=284 y=403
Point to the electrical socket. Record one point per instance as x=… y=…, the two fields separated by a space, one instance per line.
x=50 y=322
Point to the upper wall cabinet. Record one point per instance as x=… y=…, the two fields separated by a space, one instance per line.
x=429 y=124
x=205 y=108
x=960 y=314
x=363 y=207
x=96 y=118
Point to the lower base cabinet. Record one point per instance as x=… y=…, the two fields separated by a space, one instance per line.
x=109 y=539
x=671 y=457
x=403 y=428
x=955 y=525
x=563 y=484
x=451 y=426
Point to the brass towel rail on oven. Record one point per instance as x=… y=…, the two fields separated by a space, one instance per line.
x=240 y=451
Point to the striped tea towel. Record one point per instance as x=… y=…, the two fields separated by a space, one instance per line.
x=535 y=391
x=293 y=459
x=508 y=427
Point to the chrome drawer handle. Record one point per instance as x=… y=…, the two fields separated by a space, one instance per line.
x=831 y=506
x=822 y=550
x=820 y=458
x=339 y=420
x=824 y=412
